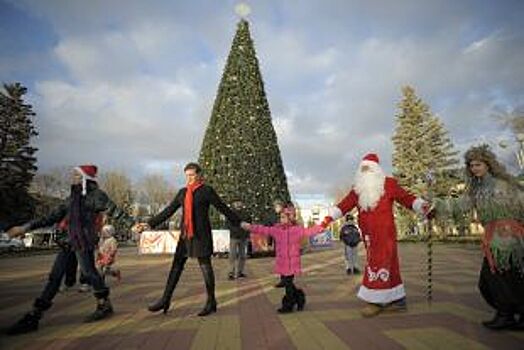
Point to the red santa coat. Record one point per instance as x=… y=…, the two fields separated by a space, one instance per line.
x=381 y=279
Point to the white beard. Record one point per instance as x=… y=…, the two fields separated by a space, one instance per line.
x=369 y=186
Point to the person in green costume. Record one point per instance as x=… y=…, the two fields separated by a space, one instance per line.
x=496 y=200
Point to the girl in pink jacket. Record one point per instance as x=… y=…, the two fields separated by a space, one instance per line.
x=287 y=235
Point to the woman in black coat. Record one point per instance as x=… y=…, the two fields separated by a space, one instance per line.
x=195 y=239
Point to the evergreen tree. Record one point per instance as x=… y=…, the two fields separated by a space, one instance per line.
x=17 y=161
x=422 y=150
x=240 y=154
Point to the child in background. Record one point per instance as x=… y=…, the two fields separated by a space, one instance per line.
x=350 y=236
x=107 y=250
x=287 y=235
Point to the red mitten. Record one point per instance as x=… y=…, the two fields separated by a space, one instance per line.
x=327 y=220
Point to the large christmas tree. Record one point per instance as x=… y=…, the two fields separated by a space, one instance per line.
x=240 y=154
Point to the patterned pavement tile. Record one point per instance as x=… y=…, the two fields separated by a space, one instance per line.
x=247 y=317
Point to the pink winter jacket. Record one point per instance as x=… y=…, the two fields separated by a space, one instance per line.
x=287 y=240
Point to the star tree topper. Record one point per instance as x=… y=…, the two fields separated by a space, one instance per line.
x=242 y=9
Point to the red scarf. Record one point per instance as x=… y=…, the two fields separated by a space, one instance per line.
x=188 y=208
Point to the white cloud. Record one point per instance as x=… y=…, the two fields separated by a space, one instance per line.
x=138 y=81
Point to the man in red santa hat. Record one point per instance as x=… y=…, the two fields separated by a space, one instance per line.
x=82 y=215
x=374 y=194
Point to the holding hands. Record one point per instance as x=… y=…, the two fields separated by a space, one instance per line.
x=428 y=210
x=326 y=222
x=16 y=231
x=246 y=226
x=140 y=227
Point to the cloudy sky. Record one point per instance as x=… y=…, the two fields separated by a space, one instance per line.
x=129 y=84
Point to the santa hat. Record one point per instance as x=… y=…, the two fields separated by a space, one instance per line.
x=88 y=172
x=371 y=157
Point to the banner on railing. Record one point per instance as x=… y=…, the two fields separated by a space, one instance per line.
x=165 y=242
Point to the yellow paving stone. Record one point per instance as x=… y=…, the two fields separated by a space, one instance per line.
x=307 y=332
x=229 y=333
x=207 y=334
x=433 y=338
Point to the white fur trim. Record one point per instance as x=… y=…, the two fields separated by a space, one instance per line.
x=381 y=296
x=417 y=205
x=369 y=162
x=335 y=212
x=85 y=177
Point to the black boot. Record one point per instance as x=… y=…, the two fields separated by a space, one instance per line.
x=209 y=308
x=501 y=321
x=165 y=302
x=28 y=323
x=209 y=279
x=300 y=298
x=103 y=310
x=288 y=303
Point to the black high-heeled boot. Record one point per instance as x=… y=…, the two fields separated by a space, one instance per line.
x=209 y=279
x=165 y=301
x=209 y=308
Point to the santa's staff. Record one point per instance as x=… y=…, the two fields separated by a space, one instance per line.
x=429 y=290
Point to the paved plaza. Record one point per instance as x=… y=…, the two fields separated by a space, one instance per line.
x=246 y=318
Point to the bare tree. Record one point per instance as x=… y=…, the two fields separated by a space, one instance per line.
x=514 y=120
x=53 y=183
x=118 y=187
x=155 y=191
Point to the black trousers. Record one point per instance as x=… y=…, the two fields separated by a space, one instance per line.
x=177 y=267
x=86 y=260
x=502 y=291
x=289 y=285
x=71 y=270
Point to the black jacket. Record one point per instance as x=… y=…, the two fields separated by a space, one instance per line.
x=201 y=244
x=96 y=201
x=236 y=231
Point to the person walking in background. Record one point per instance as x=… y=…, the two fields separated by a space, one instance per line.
x=238 y=239
x=350 y=236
